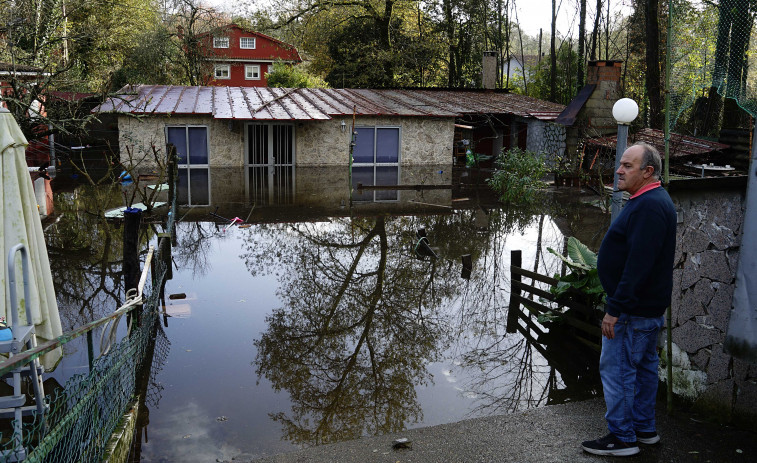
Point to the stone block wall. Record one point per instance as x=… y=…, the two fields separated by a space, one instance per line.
x=547 y=138
x=707 y=255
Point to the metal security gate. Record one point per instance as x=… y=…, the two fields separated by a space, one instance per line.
x=270 y=163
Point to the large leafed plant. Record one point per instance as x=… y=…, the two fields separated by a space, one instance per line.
x=583 y=279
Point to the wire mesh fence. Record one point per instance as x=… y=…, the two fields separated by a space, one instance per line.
x=711 y=50
x=82 y=415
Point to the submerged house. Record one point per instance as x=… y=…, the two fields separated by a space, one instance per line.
x=400 y=135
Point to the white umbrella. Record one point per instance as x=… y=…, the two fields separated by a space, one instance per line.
x=20 y=223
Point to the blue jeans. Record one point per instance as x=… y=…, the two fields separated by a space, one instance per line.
x=628 y=368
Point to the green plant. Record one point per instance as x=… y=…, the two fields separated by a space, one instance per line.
x=518 y=175
x=583 y=278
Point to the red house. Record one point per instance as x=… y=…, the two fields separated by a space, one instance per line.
x=242 y=57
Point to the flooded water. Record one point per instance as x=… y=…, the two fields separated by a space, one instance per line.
x=321 y=319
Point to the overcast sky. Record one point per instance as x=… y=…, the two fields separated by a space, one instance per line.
x=531 y=14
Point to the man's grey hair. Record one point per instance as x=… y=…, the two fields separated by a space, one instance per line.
x=651 y=158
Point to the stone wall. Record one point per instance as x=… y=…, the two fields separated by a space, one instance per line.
x=423 y=140
x=137 y=136
x=707 y=254
x=548 y=138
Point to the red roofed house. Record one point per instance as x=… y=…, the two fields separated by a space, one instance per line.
x=242 y=57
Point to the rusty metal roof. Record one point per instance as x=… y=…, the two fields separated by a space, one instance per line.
x=680 y=145
x=263 y=103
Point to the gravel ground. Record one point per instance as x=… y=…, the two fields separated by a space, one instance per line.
x=547 y=434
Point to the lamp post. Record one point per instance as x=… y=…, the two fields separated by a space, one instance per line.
x=624 y=111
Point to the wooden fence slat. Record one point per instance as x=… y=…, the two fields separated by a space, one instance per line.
x=533 y=275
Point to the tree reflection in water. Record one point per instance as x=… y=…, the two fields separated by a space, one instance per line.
x=85 y=252
x=357 y=330
x=362 y=319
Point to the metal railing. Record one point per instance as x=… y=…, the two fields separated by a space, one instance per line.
x=85 y=412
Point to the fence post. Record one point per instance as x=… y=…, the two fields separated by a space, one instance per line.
x=516 y=258
x=131 y=271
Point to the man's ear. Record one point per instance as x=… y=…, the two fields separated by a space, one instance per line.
x=648 y=171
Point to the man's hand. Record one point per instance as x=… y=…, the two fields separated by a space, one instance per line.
x=608 y=326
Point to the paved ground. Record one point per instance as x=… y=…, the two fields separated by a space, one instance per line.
x=548 y=434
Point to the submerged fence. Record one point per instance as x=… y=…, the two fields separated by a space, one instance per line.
x=83 y=414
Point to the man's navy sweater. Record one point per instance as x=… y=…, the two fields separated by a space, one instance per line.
x=635 y=260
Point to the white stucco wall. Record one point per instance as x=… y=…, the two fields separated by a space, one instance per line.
x=423 y=140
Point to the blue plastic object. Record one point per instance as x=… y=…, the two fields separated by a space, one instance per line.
x=6 y=334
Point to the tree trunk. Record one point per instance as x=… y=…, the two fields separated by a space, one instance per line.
x=581 y=46
x=450 y=26
x=652 y=83
x=595 y=31
x=553 y=56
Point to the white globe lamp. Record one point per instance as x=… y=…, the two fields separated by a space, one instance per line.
x=625 y=111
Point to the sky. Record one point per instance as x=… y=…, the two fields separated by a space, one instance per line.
x=531 y=14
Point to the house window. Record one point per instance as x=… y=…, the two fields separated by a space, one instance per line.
x=377 y=145
x=270 y=68
x=376 y=162
x=220 y=42
x=252 y=72
x=222 y=71
x=191 y=144
x=247 y=42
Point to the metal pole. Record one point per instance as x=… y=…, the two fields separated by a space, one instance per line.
x=666 y=182
x=617 y=195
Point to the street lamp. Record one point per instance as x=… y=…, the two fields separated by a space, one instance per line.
x=624 y=111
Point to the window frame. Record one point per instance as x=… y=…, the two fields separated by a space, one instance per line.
x=218 y=42
x=187 y=164
x=254 y=43
x=251 y=67
x=220 y=67
x=375 y=131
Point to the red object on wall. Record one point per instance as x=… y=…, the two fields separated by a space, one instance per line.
x=242 y=57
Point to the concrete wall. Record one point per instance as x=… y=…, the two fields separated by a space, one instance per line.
x=707 y=254
x=424 y=140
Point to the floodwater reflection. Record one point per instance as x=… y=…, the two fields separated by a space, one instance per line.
x=347 y=332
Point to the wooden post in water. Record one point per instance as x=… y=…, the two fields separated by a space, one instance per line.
x=516 y=258
x=131 y=272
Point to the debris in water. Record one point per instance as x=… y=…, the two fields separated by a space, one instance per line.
x=177 y=296
x=402 y=443
x=187 y=436
x=222 y=419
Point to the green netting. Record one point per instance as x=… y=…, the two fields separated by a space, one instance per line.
x=713 y=50
x=84 y=413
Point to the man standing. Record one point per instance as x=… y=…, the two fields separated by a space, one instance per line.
x=635 y=264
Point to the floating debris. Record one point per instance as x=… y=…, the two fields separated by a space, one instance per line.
x=221 y=419
x=178 y=296
x=402 y=443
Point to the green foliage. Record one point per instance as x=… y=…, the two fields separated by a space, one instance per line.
x=288 y=76
x=567 y=64
x=583 y=279
x=518 y=175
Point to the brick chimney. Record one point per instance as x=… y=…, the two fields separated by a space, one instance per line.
x=489 y=70
x=606 y=76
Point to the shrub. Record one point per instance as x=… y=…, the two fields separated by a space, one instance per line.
x=518 y=174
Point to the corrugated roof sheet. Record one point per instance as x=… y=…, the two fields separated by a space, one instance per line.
x=263 y=103
x=680 y=145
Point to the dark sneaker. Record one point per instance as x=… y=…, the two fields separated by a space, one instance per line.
x=610 y=446
x=649 y=437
